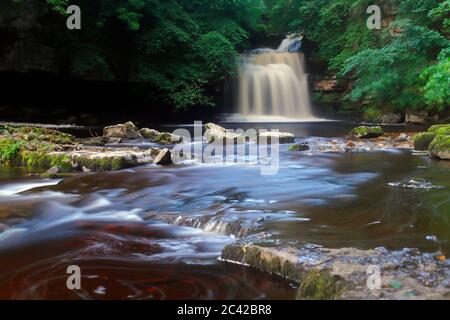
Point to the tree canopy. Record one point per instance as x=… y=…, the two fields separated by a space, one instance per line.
x=179 y=51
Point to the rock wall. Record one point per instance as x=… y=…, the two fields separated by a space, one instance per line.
x=26 y=37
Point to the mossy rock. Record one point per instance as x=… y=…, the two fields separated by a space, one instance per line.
x=100 y=164
x=423 y=140
x=438 y=127
x=365 y=132
x=41 y=135
x=440 y=147
x=320 y=285
x=299 y=147
x=442 y=130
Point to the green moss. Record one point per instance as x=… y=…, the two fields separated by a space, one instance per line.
x=440 y=147
x=272 y=265
x=321 y=285
x=299 y=147
x=423 y=140
x=289 y=271
x=371 y=114
x=100 y=164
x=443 y=131
x=41 y=135
x=252 y=257
x=9 y=149
x=365 y=132
x=437 y=127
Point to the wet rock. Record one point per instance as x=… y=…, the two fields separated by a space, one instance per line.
x=150 y=134
x=299 y=147
x=216 y=133
x=403 y=137
x=423 y=140
x=95 y=141
x=168 y=138
x=164 y=157
x=440 y=147
x=99 y=159
x=127 y=130
x=436 y=140
x=282 y=137
x=52 y=173
x=365 y=132
x=324 y=273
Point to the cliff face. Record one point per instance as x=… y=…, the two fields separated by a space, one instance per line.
x=26 y=35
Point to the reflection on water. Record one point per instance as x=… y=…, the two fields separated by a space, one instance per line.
x=131 y=231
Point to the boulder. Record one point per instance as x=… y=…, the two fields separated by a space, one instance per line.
x=52 y=173
x=403 y=137
x=215 y=133
x=416 y=117
x=127 y=130
x=365 y=132
x=163 y=158
x=440 y=147
x=150 y=134
x=299 y=147
x=283 y=137
x=168 y=138
x=422 y=140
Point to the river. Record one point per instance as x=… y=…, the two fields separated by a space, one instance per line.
x=157 y=232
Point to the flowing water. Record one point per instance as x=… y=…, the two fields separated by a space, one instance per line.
x=156 y=233
x=273 y=83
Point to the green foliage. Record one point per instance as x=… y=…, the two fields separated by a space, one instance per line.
x=392 y=68
x=179 y=52
x=9 y=149
x=176 y=51
x=437 y=77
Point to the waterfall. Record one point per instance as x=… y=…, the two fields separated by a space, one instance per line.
x=273 y=82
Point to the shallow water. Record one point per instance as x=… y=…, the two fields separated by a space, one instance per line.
x=130 y=231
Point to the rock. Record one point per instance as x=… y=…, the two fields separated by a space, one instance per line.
x=436 y=140
x=365 y=132
x=216 y=133
x=416 y=117
x=299 y=147
x=52 y=173
x=325 y=273
x=168 y=138
x=150 y=134
x=95 y=141
x=402 y=137
x=440 y=147
x=389 y=118
x=283 y=137
x=422 y=140
x=163 y=158
x=127 y=130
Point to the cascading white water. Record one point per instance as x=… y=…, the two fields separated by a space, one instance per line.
x=273 y=82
